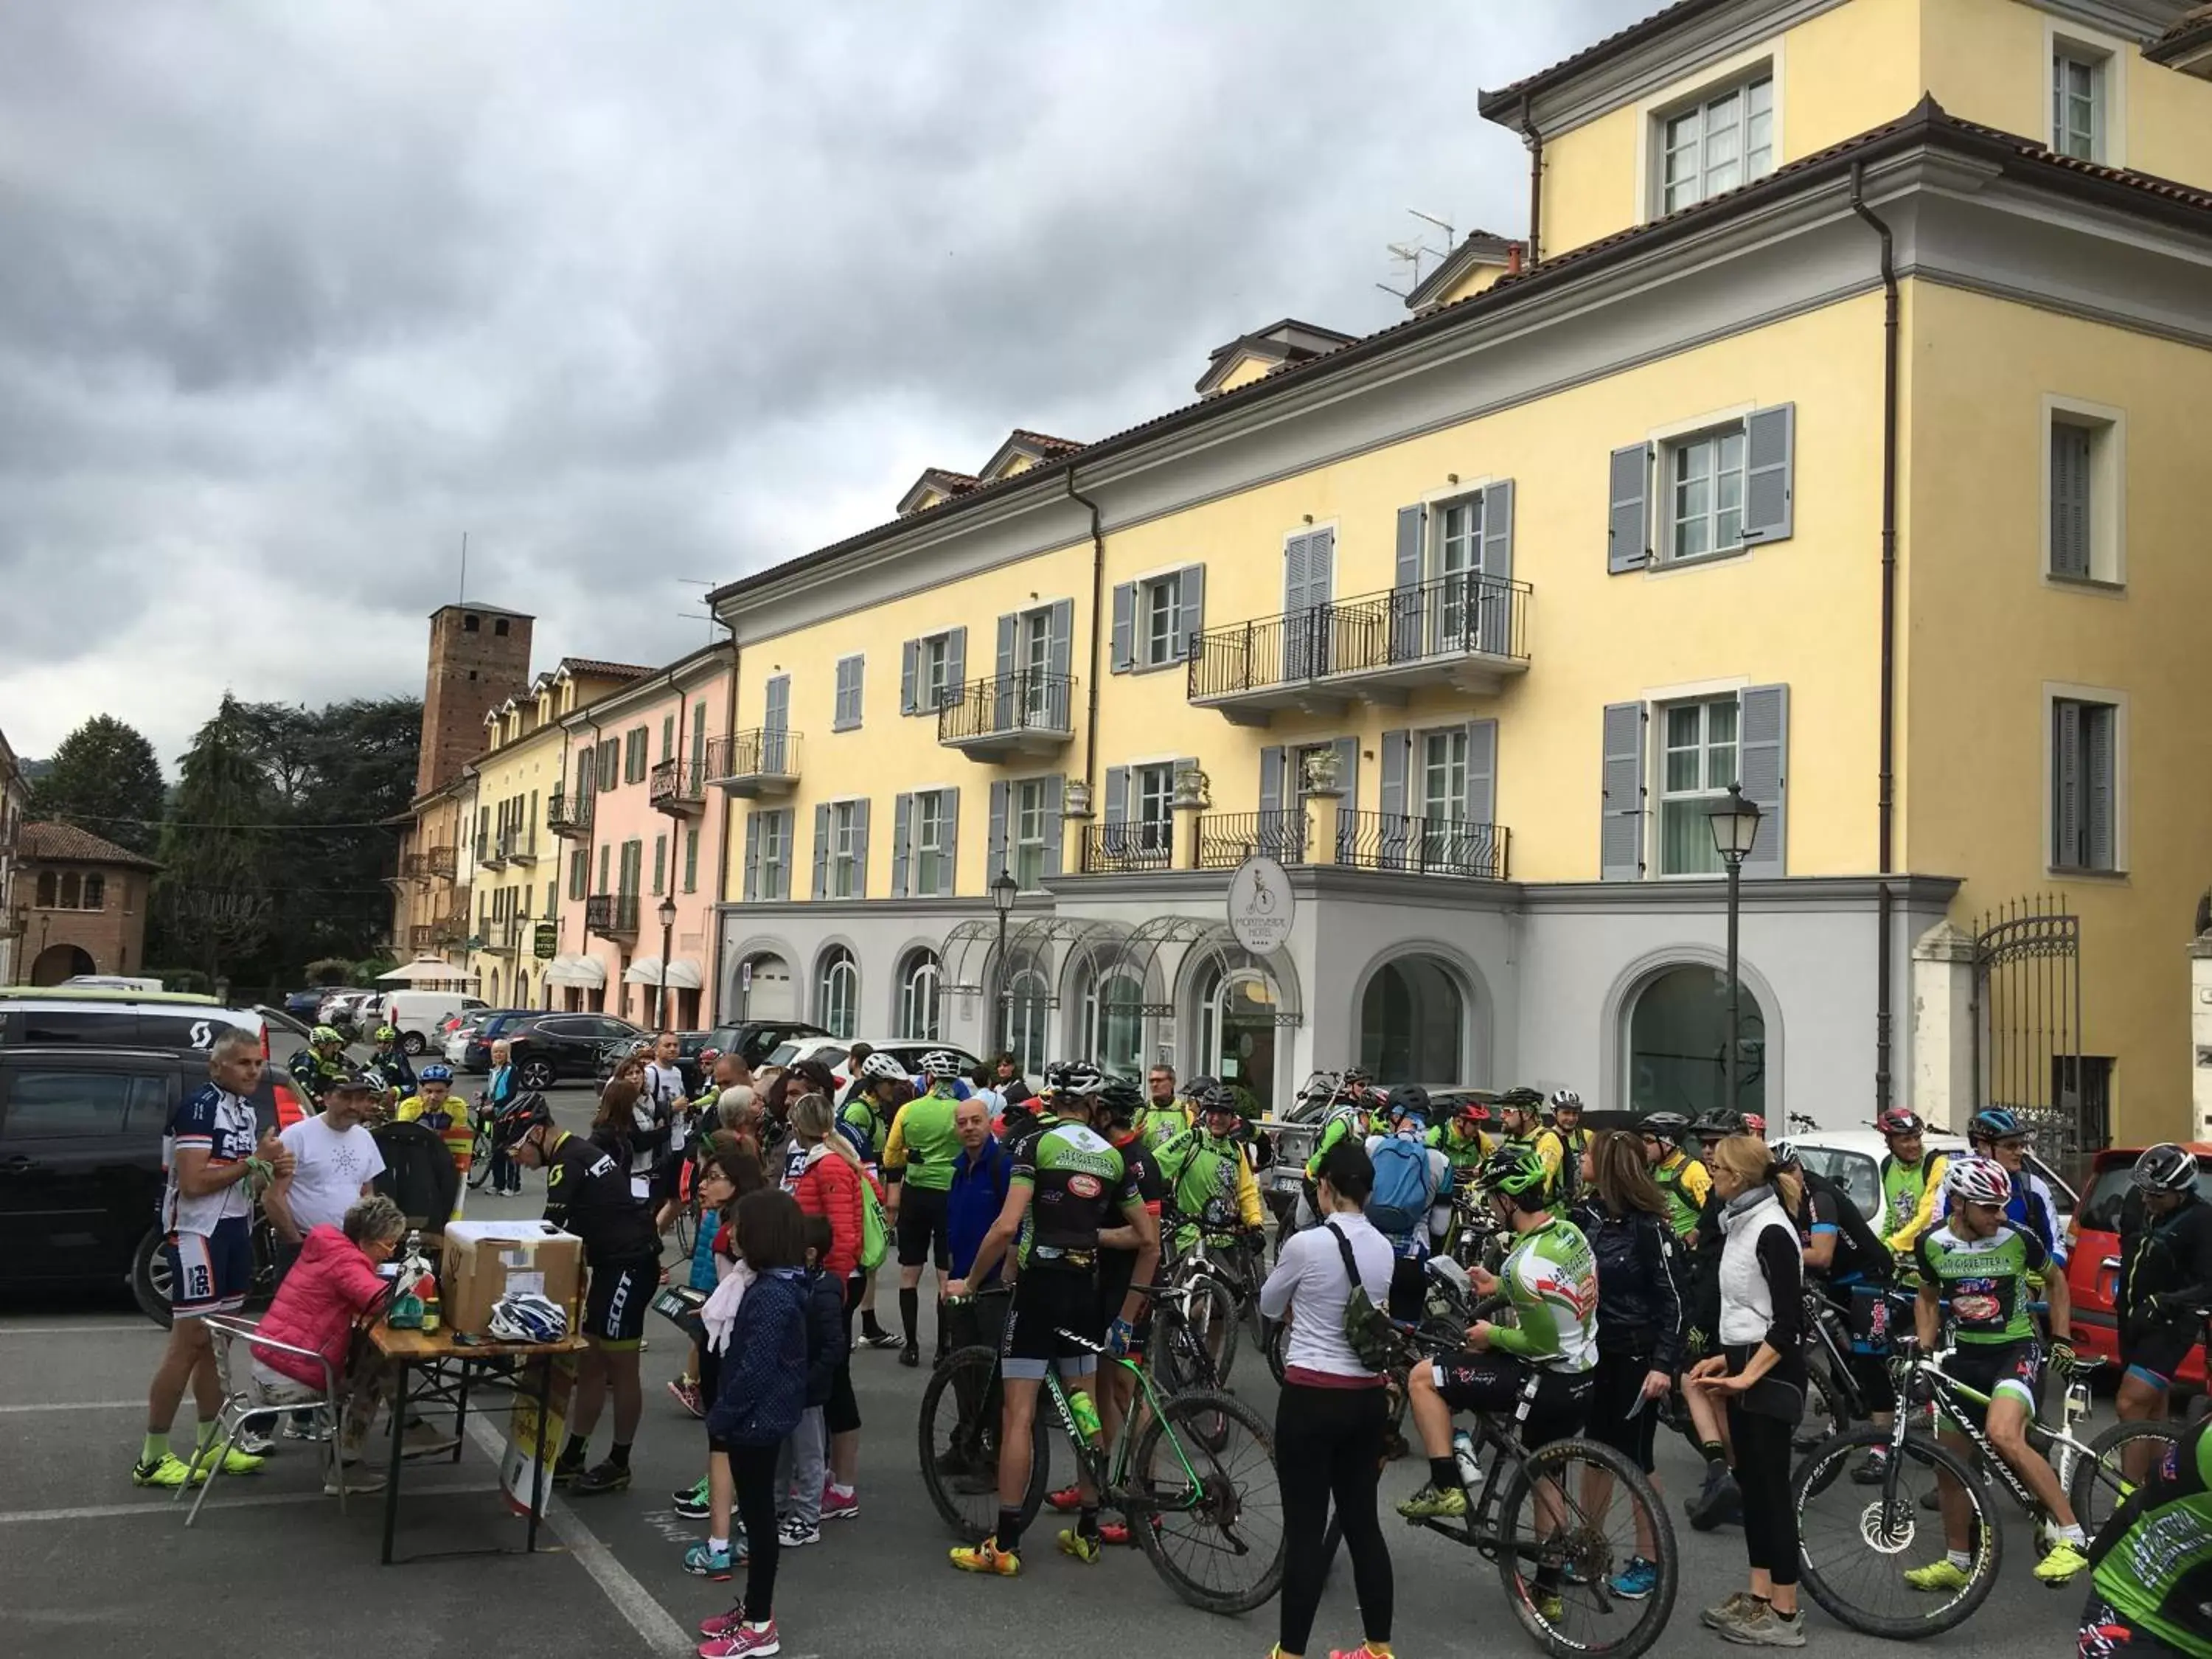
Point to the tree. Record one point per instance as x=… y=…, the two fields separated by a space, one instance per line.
x=213 y=892
x=104 y=778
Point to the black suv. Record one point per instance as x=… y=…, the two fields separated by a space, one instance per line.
x=547 y=1048
x=757 y=1039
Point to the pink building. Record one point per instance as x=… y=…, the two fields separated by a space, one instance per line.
x=642 y=835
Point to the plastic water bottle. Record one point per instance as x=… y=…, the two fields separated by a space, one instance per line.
x=1470 y=1469
x=1086 y=1415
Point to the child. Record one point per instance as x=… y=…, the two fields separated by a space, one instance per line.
x=715 y=1186
x=762 y=1395
x=803 y=1465
x=727 y=1177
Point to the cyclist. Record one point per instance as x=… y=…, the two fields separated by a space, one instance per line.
x=1411 y=1179
x=1209 y=1180
x=919 y=1154
x=2166 y=1276
x=1574 y=1140
x=2152 y=1594
x=320 y=1064
x=1848 y=1262
x=1981 y=1265
x=1911 y=1177
x=1351 y=1116
x=872 y=1105
x=435 y=1106
x=1996 y=1134
x=1162 y=1114
x=1461 y=1138
x=1550 y=1277
x=1067 y=1185
x=1682 y=1179
x=390 y=1057
x=1520 y=1113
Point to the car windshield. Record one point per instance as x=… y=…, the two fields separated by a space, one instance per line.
x=2100 y=1212
x=782 y=1055
x=1854 y=1172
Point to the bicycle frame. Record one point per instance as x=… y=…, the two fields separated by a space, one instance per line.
x=1946 y=1394
x=1479 y=1532
x=1109 y=1476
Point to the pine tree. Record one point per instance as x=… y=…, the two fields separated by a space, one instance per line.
x=213 y=886
x=104 y=778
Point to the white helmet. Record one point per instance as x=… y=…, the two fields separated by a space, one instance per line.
x=938 y=1063
x=877 y=1065
x=1566 y=1100
x=527 y=1317
x=1977 y=1181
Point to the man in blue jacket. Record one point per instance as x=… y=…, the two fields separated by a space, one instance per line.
x=979 y=1175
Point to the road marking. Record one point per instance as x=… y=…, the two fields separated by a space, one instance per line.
x=637 y=1604
x=167 y=1506
x=77 y=1405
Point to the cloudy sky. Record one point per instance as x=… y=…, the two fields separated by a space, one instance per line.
x=291 y=296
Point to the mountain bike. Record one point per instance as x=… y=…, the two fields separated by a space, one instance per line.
x=1857 y=1542
x=1193 y=1473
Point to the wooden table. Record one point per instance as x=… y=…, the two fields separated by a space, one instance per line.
x=413 y=1351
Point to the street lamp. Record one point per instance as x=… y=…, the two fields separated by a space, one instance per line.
x=667 y=929
x=1003 y=889
x=1734 y=823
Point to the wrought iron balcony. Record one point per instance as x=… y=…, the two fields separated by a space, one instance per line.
x=1113 y=848
x=612 y=915
x=1422 y=846
x=491 y=853
x=570 y=816
x=1226 y=840
x=519 y=844
x=679 y=786
x=1008 y=715
x=755 y=764
x=1467 y=631
x=436 y=861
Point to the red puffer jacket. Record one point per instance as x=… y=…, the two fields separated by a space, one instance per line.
x=830 y=1185
x=331 y=1285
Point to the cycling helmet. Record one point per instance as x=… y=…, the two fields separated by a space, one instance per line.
x=1668 y=1126
x=1121 y=1099
x=1410 y=1099
x=355 y=1083
x=1754 y=1124
x=1197 y=1087
x=527 y=1317
x=1901 y=1121
x=1074 y=1077
x=435 y=1073
x=1520 y=1100
x=388 y=1034
x=1992 y=1123
x=323 y=1034
x=1718 y=1124
x=1218 y=1097
x=937 y=1064
x=1566 y=1100
x=372 y=1079
x=1785 y=1155
x=1977 y=1181
x=1473 y=1110
x=1357 y=1074
x=2166 y=1168
x=530 y=1112
x=1514 y=1170
x=880 y=1068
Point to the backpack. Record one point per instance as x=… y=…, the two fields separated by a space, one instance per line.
x=1367 y=1328
x=875 y=1230
x=1399 y=1206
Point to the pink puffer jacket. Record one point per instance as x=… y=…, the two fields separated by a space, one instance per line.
x=331 y=1285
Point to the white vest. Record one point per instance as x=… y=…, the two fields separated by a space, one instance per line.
x=1746 y=1304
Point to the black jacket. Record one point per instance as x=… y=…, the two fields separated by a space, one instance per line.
x=1639 y=1300
x=825 y=1334
x=2166 y=1265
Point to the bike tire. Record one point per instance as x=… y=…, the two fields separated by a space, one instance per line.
x=480 y=1161
x=1827 y=1405
x=1278 y=1342
x=2098 y=1486
x=1595 y=1555
x=150 y=1278
x=1217 y=1327
x=686 y=1230
x=1887 y=1521
x=1237 y=1480
x=965 y=1378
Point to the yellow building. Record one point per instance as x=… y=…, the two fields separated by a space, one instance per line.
x=1832 y=433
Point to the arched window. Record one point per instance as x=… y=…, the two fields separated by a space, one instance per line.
x=1678 y=1043
x=46 y=889
x=1236 y=1030
x=920 y=977
x=1114 y=1023
x=837 y=992
x=1028 y=1013
x=1412 y=1021
x=70 y=889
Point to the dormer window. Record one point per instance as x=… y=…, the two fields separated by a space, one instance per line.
x=1723 y=139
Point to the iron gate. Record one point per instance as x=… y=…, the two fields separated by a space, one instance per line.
x=2028 y=1027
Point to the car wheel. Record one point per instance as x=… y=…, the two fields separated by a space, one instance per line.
x=412 y=1042
x=535 y=1076
x=149 y=1277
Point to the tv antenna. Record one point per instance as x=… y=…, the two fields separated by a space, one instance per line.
x=712 y=622
x=1411 y=252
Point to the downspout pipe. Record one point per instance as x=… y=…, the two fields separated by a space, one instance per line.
x=1098 y=633
x=1886 y=795
x=1535 y=140
x=722 y=852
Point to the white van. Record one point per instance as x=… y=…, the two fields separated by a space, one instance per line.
x=416 y=1015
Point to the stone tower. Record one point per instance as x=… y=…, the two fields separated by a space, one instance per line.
x=479 y=657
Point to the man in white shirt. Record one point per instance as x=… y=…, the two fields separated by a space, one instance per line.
x=665 y=1097
x=334 y=1160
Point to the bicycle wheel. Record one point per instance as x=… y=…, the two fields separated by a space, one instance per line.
x=1210 y=1518
x=1827 y=1403
x=959 y=1435
x=1277 y=1344
x=1856 y=1543
x=2120 y=1461
x=1213 y=1323
x=687 y=1229
x=1573 y=1514
x=480 y=1159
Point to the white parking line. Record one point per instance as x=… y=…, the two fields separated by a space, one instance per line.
x=78 y=1406
x=168 y=1506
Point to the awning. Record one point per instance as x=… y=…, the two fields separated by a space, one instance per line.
x=574 y=969
x=429 y=970
x=683 y=973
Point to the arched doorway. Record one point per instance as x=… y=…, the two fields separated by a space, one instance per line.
x=1678 y=1043
x=764 y=987
x=1236 y=1029
x=1412 y=1023
x=1114 y=1023
x=919 y=1012
x=837 y=992
x=1028 y=1015
x=59 y=962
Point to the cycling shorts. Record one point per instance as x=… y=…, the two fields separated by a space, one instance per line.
x=2108 y=1633
x=1995 y=1367
x=1045 y=1303
x=211 y=1273
x=1493 y=1383
x=924 y=1230
x=614 y=1309
x=2154 y=1353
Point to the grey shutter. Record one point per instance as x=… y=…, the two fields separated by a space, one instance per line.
x=1620 y=830
x=1392 y=826
x=859 y=666
x=1405 y=643
x=822 y=849
x=1271 y=779
x=752 y=858
x=1320 y=565
x=860 y=849
x=1482 y=772
x=901 y=841
x=1190 y=609
x=1297 y=627
x=949 y=863
x=1347 y=770
x=1342 y=815
x=1117 y=795
x=1763 y=761
x=1056 y=797
x=909 y=676
x=1628 y=513
x=955 y=660
x=1124 y=650
x=777 y=721
x=1060 y=661
x=1769 y=491
x=2100 y=736
x=1494 y=598
x=995 y=856
x=1294 y=573
x=840 y=717
x=2070 y=500
x=2066 y=785
x=1003 y=713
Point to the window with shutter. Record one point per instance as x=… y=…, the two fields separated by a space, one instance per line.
x=659 y=865
x=2084 y=767
x=691 y=860
x=2069 y=499
x=1620 y=831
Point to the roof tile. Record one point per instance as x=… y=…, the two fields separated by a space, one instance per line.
x=51 y=842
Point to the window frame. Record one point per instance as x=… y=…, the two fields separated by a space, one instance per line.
x=2107 y=427
x=1737 y=78
x=1153 y=833
x=843 y=861
x=2054 y=694
x=1455 y=802
x=2106 y=56
x=775 y=846
x=932 y=667
x=1160 y=596
x=837 y=965
x=929 y=877
x=1672 y=451
x=1656 y=859
x=921 y=966
x=1022 y=844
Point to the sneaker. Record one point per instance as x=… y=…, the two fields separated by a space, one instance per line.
x=1115 y=1533
x=1871 y=1468
x=722 y=1623
x=314 y=1429
x=910 y=1356
x=691 y=1503
x=565 y=1472
x=879 y=1337
x=976 y=1482
x=796 y=1534
x=236 y=1461
x=687 y=1396
x=1720 y=1503
x=840 y=1503
x=1363 y=1651
x=987 y=1557
x=1636 y=1581
x=2065 y=1561
x=1429 y=1502
x=254 y=1443
x=744 y=1640
x=1763 y=1627
x=171 y=1471
x=704 y=1560
x=1067 y=1500
x=1940 y=1575
x=609 y=1476
x=1725 y=1615
x=357 y=1478
x=423 y=1441
x=1085 y=1550
x=1551 y=1607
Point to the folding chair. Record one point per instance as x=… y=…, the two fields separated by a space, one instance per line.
x=239 y=1409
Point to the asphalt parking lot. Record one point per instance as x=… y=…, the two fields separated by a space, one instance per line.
x=90 y=1565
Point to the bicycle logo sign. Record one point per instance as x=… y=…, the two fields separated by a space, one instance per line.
x=1261 y=906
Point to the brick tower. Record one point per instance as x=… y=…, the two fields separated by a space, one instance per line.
x=479 y=657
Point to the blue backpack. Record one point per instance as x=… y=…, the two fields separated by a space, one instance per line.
x=1399 y=1206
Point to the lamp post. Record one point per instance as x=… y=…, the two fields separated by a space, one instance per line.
x=1736 y=827
x=667 y=932
x=1004 y=887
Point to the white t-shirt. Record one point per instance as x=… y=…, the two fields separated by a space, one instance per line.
x=664 y=1084
x=331 y=1167
x=1310 y=1281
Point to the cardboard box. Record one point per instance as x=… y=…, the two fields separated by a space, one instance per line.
x=485 y=1260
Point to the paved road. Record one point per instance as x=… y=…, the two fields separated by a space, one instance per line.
x=90 y=1566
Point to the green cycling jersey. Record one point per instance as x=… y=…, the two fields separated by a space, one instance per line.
x=1346 y=1122
x=1985 y=1280
x=1550 y=1276
x=1461 y=1151
x=923 y=1146
x=865 y=1120
x=1209 y=1182
x=2154 y=1557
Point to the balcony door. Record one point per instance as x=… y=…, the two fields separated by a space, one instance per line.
x=1308 y=581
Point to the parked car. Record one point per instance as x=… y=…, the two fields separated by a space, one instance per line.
x=688 y=1047
x=335 y=1000
x=548 y=1048
x=416 y=1015
x=305 y=1004
x=757 y=1039
x=2092 y=1267
x=114 y=982
x=468 y=1048
x=1852 y=1159
x=832 y=1051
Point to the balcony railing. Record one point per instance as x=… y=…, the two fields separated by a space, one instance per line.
x=1226 y=840
x=1008 y=715
x=678 y=786
x=490 y=852
x=1426 y=847
x=519 y=844
x=433 y=861
x=1466 y=630
x=570 y=816
x=752 y=765
x=1110 y=848
x=612 y=915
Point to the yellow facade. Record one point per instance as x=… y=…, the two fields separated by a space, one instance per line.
x=518 y=857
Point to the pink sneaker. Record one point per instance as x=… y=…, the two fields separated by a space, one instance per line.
x=744 y=1640
x=840 y=1503
x=723 y=1623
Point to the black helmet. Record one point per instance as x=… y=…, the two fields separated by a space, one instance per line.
x=1197 y=1087
x=1409 y=1098
x=1669 y=1127
x=529 y=1113
x=2166 y=1168
x=1523 y=1099
x=1719 y=1123
x=1121 y=1099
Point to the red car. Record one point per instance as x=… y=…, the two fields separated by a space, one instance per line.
x=2094 y=1268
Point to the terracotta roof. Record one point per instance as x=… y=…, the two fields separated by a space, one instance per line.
x=1496 y=106
x=2191 y=30
x=1927 y=121
x=64 y=844
x=1480 y=247
x=606 y=670
x=1045 y=440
